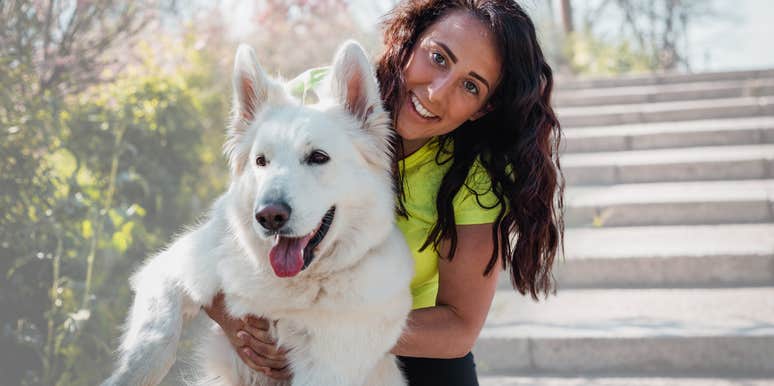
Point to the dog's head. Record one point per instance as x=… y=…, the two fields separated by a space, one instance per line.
x=312 y=182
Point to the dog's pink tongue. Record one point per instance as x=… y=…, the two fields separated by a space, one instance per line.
x=287 y=255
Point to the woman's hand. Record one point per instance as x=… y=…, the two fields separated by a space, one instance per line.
x=251 y=340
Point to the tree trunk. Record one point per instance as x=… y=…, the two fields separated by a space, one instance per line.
x=567 y=16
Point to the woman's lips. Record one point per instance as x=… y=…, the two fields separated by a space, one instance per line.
x=416 y=113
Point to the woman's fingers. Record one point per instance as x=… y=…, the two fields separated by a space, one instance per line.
x=244 y=355
x=256 y=322
x=261 y=360
x=237 y=340
x=255 y=362
x=283 y=373
x=260 y=334
x=268 y=350
x=252 y=341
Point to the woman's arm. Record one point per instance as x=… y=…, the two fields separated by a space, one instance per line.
x=450 y=329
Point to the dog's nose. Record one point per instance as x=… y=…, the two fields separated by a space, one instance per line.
x=273 y=216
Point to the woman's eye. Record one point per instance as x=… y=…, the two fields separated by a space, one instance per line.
x=439 y=59
x=471 y=87
x=318 y=157
x=260 y=160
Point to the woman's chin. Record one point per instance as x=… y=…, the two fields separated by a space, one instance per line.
x=408 y=135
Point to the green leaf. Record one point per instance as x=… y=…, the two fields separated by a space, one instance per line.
x=136 y=209
x=123 y=238
x=86 y=229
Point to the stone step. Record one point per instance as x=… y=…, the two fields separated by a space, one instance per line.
x=578 y=380
x=673 y=203
x=662 y=165
x=574 y=117
x=634 y=332
x=665 y=93
x=715 y=132
x=705 y=256
x=654 y=79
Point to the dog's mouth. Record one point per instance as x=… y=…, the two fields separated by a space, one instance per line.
x=290 y=255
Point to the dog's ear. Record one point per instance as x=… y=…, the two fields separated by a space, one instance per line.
x=352 y=81
x=253 y=90
x=251 y=85
x=353 y=85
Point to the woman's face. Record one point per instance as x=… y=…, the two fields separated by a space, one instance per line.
x=453 y=69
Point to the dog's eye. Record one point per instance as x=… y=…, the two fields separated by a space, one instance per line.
x=318 y=157
x=260 y=160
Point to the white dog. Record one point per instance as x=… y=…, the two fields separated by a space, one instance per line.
x=304 y=235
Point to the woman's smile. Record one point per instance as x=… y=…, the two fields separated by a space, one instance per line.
x=419 y=109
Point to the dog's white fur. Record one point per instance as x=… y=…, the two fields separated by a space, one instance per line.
x=341 y=315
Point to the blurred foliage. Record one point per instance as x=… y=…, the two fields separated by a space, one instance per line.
x=592 y=55
x=101 y=161
x=121 y=172
x=294 y=35
x=633 y=36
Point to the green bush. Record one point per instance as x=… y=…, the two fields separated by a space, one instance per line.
x=591 y=55
x=91 y=184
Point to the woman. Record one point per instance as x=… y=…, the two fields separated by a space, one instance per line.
x=477 y=161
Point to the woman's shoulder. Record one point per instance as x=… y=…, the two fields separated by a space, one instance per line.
x=476 y=201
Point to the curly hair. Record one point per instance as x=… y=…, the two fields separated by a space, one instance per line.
x=517 y=142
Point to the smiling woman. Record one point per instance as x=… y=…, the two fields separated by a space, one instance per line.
x=475 y=167
x=444 y=90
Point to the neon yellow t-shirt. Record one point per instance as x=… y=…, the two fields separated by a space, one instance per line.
x=421 y=181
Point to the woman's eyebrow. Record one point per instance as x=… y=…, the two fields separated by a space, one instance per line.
x=453 y=58
x=481 y=78
x=448 y=51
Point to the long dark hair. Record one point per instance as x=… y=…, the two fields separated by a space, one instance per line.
x=517 y=142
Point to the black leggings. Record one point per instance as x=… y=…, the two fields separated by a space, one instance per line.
x=439 y=372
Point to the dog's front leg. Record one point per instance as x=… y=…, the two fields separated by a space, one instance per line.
x=153 y=329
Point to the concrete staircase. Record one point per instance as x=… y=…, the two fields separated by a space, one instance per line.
x=668 y=277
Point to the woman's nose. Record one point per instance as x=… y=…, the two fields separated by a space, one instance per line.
x=438 y=89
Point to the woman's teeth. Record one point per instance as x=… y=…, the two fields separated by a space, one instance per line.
x=421 y=109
